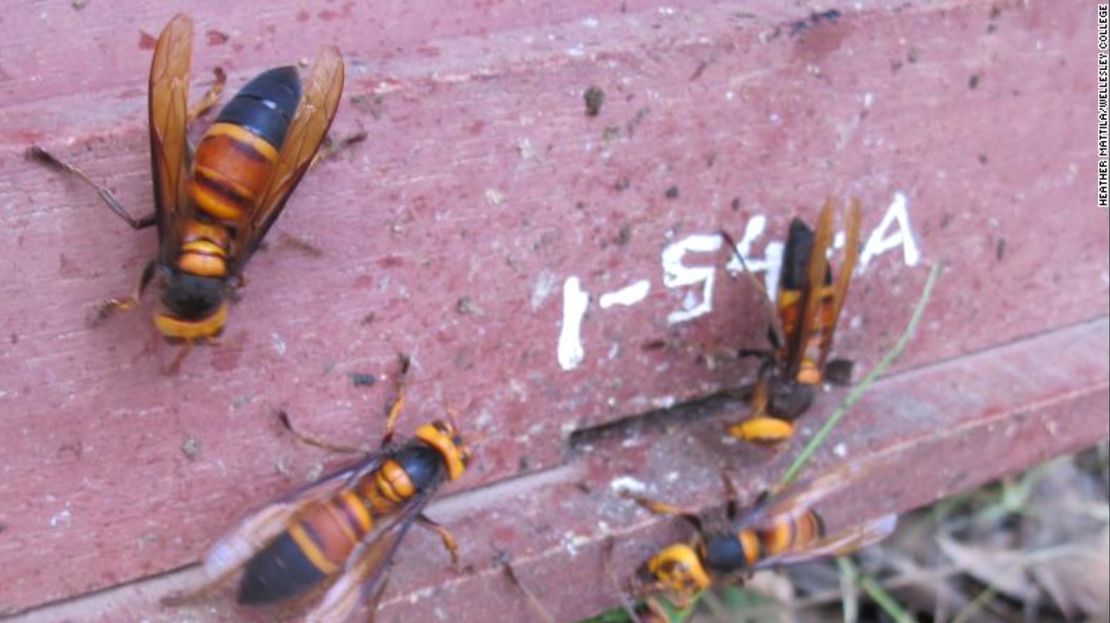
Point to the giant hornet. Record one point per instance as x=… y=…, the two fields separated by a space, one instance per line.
x=344 y=529
x=807 y=309
x=212 y=208
x=782 y=528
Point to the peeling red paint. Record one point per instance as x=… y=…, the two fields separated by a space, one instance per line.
x=146 y=40
x=216 y=37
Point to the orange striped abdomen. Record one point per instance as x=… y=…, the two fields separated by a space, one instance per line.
x=323 y=535
x=789 y=308
x=315 y=546
x=231 y=171
x=789 y=534
x=327 y=532
x=790 y=312
x=809 y=372
x=204 y=249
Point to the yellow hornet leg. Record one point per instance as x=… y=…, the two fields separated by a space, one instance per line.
x=398 y=401
x=315 y=442
x=657 y=507
x=662 y=508
x=109 y=306
x=332 y=146
x=210 y=98
x=449 y=542
x=44 y=157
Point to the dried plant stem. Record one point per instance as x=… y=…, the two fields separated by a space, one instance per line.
x=970 y=610
x=876 y=592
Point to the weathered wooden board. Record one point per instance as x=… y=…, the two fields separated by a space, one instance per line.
x=921 y=435
x=484 y=193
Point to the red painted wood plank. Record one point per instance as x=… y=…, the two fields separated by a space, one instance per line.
x=926 y=433
x=483 y=188
x=39 y=65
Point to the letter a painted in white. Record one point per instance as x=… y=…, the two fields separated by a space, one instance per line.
x=879 y=242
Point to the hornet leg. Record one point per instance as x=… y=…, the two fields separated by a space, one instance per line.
x=42 y=156
x=398 y=401
x=109 y=306
x=663 y=508
x=449 y=542
x=315 y=442
x=210 y=98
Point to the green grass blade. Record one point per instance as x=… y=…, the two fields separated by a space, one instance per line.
x=859 y=390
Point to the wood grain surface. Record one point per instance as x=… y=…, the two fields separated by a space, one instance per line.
x=485 y=196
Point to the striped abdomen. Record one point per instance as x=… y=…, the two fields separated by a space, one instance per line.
x=793 y=279
x=725 y=553
x=236 y=156
x=322 y=536
x=790 y=311
x=785 y=535
x=204 y=250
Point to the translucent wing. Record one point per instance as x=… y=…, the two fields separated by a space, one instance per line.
x=256 y=530
x=367 y=568
x=169 y=147
x=816 y=270
x=840 y=544
x=797 y=499
x=753 y=280
x=309 y=126
x=844 y=277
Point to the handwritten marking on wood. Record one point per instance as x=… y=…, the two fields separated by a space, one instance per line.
x=878 y=242
x=677 y=274
x=769 y=264
x=627 y=296
x=678 y=271
x=575 y=302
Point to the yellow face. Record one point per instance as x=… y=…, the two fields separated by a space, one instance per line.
x=444 y=437
x=677 y=568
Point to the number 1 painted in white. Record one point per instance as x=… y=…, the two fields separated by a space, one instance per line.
x=575 y=302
